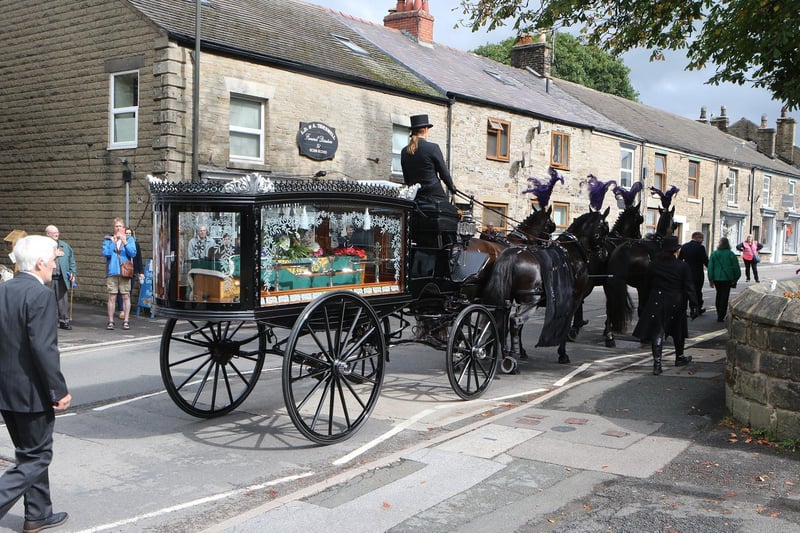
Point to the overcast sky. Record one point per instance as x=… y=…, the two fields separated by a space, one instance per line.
x=662 y=84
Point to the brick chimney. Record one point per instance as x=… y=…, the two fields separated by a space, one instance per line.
x=412 y=16
x=536 y=55
x=784 y=138
x=721 y=122
x=765 y=138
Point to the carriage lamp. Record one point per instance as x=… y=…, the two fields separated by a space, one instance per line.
x=466 y=226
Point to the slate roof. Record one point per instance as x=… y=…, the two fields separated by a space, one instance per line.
x=286 y=33
x=466 y=76
x=659 y=127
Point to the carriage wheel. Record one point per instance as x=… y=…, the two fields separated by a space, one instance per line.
x=333 y=367
x=209 y=368
x=473 y=350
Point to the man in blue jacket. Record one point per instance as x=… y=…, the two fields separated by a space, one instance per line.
x=32 y=386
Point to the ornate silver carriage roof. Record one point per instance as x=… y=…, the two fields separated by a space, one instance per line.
x=258 y=184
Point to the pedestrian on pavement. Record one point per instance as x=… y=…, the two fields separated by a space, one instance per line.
x=750 y=249
x=138 y=273
x=695 y=255
x=670 y=287
x=723 y=273
x=118 y=248
x=64 y=276
x=32 y=386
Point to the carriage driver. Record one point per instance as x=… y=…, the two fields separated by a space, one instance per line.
x=423 y=163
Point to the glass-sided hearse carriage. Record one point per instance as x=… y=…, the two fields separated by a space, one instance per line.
x=324 y=273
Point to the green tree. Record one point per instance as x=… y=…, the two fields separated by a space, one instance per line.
x=572 y=61
x=746 y=41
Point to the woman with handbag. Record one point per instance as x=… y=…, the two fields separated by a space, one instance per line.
x=723 y=272
x=749 y=249
x=119 y=249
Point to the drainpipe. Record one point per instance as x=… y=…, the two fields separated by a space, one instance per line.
x=713 y=236
x=196 y=97
x=753 y=200
x=450 y=103
x=643 y=201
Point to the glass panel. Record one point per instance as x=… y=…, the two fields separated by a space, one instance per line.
x=208 y=256
x=491 y=144
x=504 y=142
x=399 y=141
x=245 y=113
x=245 y=145
x=162 y=263
x=126 y=90
x=124 y=127
x=307 y=248
x=626 y=168
x=790 y=241
x=768 y=225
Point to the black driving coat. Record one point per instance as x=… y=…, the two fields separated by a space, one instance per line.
x=671 y=287
x=426 y=167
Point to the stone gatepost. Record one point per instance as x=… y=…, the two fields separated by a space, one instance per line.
x=762 y=373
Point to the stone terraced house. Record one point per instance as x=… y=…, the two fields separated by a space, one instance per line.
x=101 y=92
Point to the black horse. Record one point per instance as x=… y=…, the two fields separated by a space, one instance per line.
x=554 y=276
x=627 y=266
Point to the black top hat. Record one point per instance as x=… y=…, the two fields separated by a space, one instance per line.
x=670 y=244
x=420 y=121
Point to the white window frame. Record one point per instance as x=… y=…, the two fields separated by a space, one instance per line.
x=258 y=132
x=400 y=133
x=660 y=175
x=561 y=214
x=693 y=179
x=626 y=174
x=115 y=112
x=733 y=190
x=765 y=192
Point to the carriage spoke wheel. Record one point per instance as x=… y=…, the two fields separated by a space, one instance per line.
x=209 y=368
x=333 y=367
x=472 y=352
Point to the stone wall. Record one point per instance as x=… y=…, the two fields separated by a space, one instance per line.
x=762 y=373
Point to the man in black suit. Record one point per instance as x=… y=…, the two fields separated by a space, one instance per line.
x=32 y=386
x=694 y=254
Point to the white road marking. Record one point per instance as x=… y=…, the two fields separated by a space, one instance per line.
x=199 y=501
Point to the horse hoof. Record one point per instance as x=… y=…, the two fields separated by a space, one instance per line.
x=563 y=359
x=611 y=343
x=508 y=365
x=572 y=335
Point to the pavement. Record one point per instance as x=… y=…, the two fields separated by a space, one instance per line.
x=620 y=450
x=89 y=327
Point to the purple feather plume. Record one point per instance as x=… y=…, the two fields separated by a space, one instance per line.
x=665 y=197
x=628 y=195
x=542 y=191
x=597 y=191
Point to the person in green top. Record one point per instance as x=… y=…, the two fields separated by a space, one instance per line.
x=723 y=272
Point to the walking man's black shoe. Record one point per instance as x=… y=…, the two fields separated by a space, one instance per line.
x=681 y=360
x=54 y=520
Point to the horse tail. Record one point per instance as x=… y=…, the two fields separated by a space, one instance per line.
x=498 y=288
x=619 y=306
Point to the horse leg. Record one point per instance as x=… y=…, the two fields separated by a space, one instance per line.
x=608 y=335
x=508 y=364
x=563 y=358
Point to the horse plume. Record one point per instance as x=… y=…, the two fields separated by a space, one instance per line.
x=628 y=195
x=597 y=191
x=666 y=197
x=542 y=191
